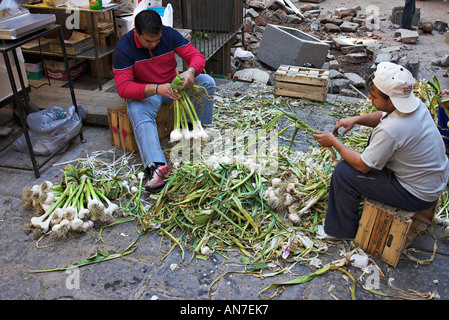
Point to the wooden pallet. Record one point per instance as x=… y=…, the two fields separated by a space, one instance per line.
x=301 y=82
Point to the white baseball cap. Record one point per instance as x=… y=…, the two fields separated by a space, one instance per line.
x=396 y=82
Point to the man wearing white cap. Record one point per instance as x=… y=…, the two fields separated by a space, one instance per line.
x=404 y=164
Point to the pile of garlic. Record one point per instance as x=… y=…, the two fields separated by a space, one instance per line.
x=281 y=197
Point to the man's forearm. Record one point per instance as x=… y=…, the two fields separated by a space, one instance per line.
x=369 y=119
x=151 y=89
x=351 y=156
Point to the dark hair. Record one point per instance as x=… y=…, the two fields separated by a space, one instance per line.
x=369 y=86
x=149 y=21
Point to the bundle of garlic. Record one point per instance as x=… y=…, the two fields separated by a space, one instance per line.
x=75 y=204
x=184 y=111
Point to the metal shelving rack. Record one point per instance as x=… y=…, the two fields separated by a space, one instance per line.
x=18 y=103
x=95 y=53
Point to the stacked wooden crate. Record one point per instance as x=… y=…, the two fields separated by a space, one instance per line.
x=301 y=82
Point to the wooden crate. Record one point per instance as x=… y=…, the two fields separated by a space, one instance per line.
x=122 y=133
x=385 y=232
x=301 y=82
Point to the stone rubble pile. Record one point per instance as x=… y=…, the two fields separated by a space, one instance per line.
x=349 y=32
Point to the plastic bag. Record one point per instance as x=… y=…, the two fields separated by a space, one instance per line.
x=143 y=5
x=167 y=19
x=240 y=53
x=50 y=129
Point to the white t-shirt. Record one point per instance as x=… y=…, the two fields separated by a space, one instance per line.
x=411 y=146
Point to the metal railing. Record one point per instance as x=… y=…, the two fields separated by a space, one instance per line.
x=213 y=22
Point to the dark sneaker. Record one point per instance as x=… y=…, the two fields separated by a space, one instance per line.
x=156 y=176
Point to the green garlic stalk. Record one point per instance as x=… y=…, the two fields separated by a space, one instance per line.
x=184 y=108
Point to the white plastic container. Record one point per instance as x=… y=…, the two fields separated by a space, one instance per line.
x=359 y=261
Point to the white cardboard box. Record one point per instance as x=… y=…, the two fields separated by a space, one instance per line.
x=33 y=67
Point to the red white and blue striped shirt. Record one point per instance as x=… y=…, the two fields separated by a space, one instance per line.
x=134 y=66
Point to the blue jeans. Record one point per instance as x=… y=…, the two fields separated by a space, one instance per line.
x=407 y=14
x=347 y=188
x=442 y=126
x=142 y=115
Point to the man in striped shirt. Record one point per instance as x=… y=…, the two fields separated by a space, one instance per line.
x=144 y=66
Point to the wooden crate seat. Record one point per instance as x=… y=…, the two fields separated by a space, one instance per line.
x=385 y=232
x=122 y=133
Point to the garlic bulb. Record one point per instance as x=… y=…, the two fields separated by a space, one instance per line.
x=290 y=188
x=445 y=222
x=205 y=251
x=288 y=201
x=294 y=218
x=276 y=182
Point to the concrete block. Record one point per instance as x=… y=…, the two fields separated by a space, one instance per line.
x=290 y=46
x=440 y=26
x=382 y=57
x=347 y=26
x=414 y=68
x=396 y=16
x=334 y=65
x=408 y=36
x=354 y=79
x=357 y=57
x=336 y=85
x=252 y=75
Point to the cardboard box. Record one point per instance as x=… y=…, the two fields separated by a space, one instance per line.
x=5 y=87
x=60 y=65
x=76 y=44
x=447 y=37
x=385 y=232
x=122 y=133
x=124 y=24
x=301 y=82
x=34 y=70
x=56 y=69
x=33 y=67
x=35 y=75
